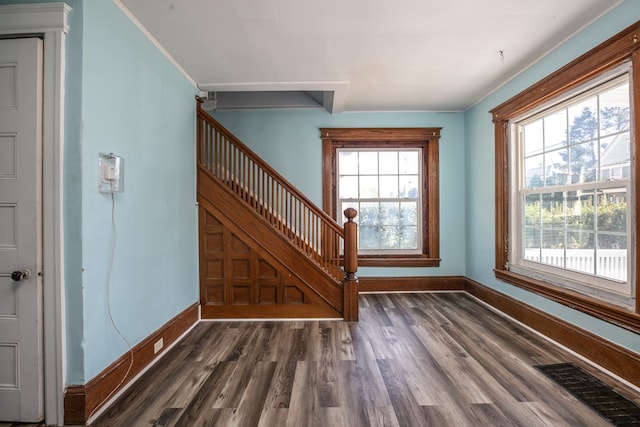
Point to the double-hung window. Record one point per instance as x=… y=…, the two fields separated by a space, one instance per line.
x=572 y=186
x=566 y=170
x=383 y=186
x=390 y=176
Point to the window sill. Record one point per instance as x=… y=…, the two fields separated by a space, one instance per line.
x=592 y=306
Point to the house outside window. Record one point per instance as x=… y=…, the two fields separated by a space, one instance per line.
x=565 y=184
x=390 y=176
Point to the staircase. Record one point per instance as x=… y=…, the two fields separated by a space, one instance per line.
x=266 y=251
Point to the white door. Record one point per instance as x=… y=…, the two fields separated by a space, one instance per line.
x=21 y=382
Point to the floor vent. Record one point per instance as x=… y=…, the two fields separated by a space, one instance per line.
x=601 y=398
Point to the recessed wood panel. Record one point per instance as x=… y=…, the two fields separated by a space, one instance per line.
x=213 y=242
x=267 y=294
x=210 y=220
x=214 y=295
x=241 y=269
x=265 y=270
x=238 y=246
x=293 y=295
x=241 y=295
x=214 y=269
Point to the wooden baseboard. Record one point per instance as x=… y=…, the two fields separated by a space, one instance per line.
x=411 y=284
x=612 y=357
x=80 y=401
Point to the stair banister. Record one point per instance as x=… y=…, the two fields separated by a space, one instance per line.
x=313 y=231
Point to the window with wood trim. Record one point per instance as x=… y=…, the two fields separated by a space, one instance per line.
x=566 y=198
x=390 y=176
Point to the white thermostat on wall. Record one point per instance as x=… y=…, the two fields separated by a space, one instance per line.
x=111 y=173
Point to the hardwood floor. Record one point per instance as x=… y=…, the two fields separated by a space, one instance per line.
x=439 y=359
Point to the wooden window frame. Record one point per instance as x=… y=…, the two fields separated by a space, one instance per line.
x=621 y=48
x=426 y=138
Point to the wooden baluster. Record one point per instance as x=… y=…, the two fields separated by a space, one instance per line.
x=215 y=156
x=200 y=142
x=350 y=287
x=254 y=186
x=208 y=153
x=218 y=155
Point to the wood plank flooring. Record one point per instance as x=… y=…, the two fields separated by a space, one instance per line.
x=437 y=359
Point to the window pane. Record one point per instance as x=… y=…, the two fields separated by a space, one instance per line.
x=552 y=252
x=581 y=259
x=555 y=130
x=409 y=237
x=532 y=221
x=388 y=162
x=409 y=213
x=612 y=259
x=388 y=186
x=583 y=121
x=409 y=186
x=409 y=162
x=369 y=187
x=557 y=167
x=552 y=209
x=347 y=163
x=534 y=172
x=583 y=162
x=348 y=187
x=533 y=140
x=532 y=210
x=616 y=157
x=368 y=162
x=612 y=210
x=552 y=232
x=389 y=237
x=389 y=213
x=614 y=110
x=611 y=216
x=580 y=215
x=369 y=214
x=369 y=237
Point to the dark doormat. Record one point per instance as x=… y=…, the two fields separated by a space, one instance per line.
x=600 y=397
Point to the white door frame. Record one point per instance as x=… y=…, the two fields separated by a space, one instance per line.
x=50 y=21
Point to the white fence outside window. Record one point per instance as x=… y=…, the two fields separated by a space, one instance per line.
x=610 y=263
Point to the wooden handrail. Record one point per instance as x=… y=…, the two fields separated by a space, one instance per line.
x=271 y=196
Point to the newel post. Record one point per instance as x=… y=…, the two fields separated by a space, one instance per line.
x=350 y=287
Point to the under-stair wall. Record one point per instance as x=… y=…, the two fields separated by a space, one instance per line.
x=265 y=250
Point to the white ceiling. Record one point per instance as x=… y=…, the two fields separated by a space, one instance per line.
x=372 y=55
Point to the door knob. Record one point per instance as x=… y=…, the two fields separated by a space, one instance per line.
x=19 y=275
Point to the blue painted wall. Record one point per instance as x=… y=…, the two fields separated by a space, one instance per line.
x=479 y=155
x=72 y=179
x=289 y=140
x=136 y=104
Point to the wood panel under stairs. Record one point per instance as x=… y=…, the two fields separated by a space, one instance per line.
x=249 y=271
